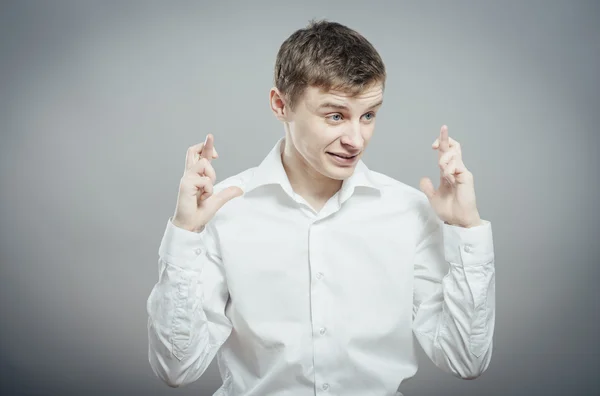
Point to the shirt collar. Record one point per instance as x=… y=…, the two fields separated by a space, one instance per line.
x=271 y=171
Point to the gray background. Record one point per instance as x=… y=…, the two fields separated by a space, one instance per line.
x=100 y=100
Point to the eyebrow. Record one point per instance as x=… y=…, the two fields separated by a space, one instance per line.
x=329 y=105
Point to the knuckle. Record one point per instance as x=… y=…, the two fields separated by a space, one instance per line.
x=190 y=172
x=186 y=183
x=201 y=164
x=190 y=178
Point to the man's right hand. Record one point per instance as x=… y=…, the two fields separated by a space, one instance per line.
x=196 y=203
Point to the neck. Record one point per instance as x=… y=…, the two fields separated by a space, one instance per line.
x=305 y=180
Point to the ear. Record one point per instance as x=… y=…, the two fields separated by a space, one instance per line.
x=278 y=105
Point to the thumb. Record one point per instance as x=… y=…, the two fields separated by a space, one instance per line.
x=227 y=195
x=427 y=187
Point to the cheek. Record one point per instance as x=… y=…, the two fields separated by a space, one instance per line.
x=308 y=139
x=368 y=132
x=369 y=129
x=314 y=134
x=307 y=129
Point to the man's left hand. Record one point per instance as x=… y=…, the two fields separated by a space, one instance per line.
x=454 y=200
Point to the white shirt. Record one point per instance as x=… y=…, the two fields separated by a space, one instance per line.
x=297 y=302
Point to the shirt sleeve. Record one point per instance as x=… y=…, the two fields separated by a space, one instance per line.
x=186 y=308
x=454 y=295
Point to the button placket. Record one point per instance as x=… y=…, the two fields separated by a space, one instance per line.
x=323 y=360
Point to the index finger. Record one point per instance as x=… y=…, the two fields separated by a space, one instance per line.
x=191 y=157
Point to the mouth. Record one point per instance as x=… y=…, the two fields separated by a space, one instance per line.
x=343 y=158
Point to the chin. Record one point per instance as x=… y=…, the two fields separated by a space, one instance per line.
x=338 y=173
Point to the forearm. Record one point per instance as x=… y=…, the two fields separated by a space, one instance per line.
x=458 y=327
x=177 y=327
x=184 y=330
x=455 y=324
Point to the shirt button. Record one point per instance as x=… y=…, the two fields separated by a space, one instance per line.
x=319 y=275
x=198 y=251
x=468 y=248
x=325 y=386
x=323 y=331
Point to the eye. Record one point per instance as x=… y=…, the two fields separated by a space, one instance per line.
x=370 y=115
x=335 y=117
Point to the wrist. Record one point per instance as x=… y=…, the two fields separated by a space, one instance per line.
x=474 y=224
x=186 y=227
x=474 y=221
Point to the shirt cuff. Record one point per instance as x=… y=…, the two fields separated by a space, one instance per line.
x=181 y=247
x=468 y=246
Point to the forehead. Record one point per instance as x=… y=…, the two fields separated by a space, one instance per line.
x=316 y=95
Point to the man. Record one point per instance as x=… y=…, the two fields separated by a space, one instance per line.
x=310 y=273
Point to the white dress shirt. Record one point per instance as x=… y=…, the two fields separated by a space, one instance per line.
x=297 y=302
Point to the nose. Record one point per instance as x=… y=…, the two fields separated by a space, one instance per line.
x=353 y=137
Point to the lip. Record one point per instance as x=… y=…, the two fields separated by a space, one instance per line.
x=343 y=161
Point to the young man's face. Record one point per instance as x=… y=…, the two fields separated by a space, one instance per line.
x=327 y=123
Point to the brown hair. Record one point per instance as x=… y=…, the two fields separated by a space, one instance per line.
x=328 y=55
